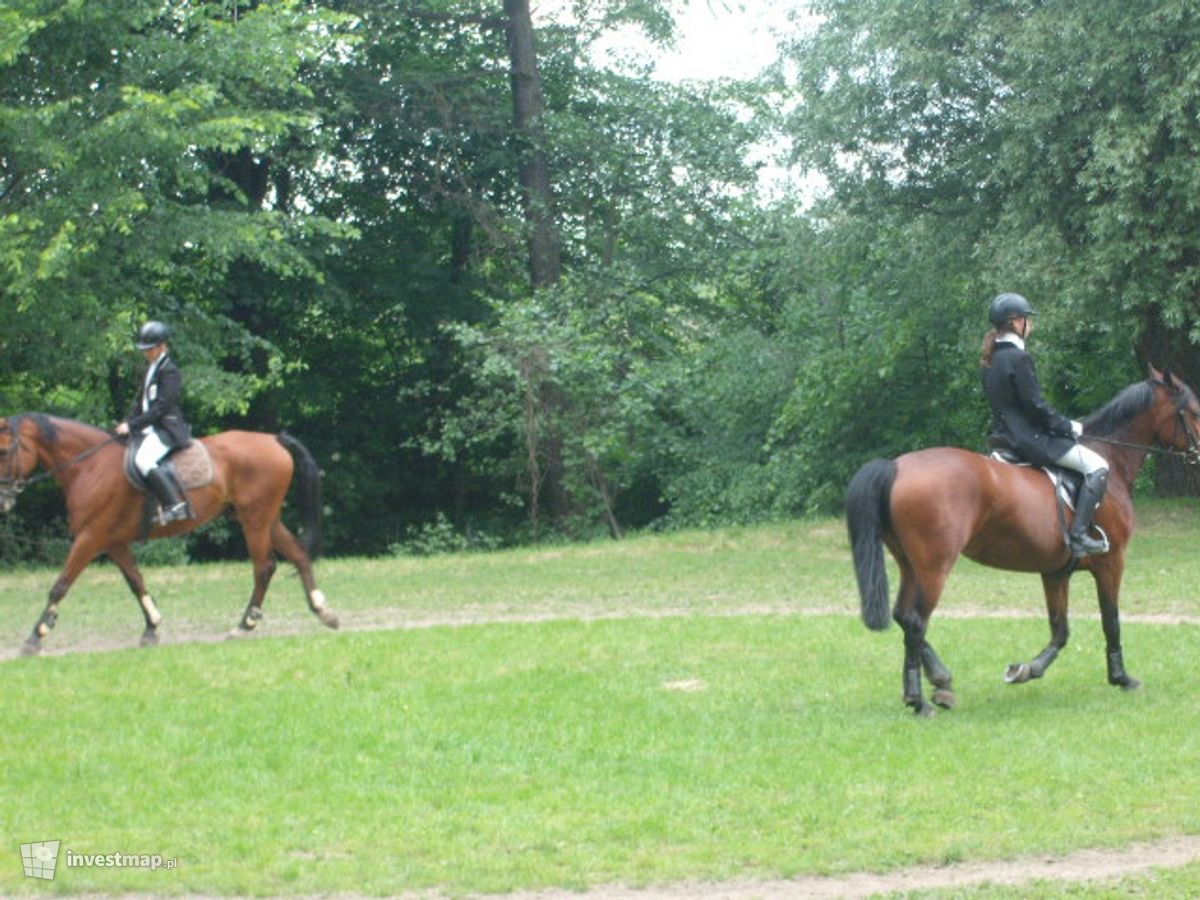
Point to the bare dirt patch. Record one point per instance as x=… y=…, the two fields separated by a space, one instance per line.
x=1080 y=866
x=386 y=618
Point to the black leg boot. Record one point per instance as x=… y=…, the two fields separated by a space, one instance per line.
x=1090 y=495
x=170 y=495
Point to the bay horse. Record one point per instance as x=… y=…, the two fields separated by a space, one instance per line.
x=252 y=472
x=931 y=506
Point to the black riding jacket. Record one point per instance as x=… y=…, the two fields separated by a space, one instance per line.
x=1022 y=420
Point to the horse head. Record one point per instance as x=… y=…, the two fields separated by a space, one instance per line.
x=1177 y=424
x=17 y=461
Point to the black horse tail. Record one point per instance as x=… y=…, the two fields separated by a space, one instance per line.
x=308 y=487
x=868 y=504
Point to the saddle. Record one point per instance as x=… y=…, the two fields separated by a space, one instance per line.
x=1067 y=482
x=192 y=466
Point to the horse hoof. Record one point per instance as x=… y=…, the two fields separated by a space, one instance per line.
x=149 y=638
x=944 y=697
x=1018 y=673
x=328 y=619
x=925 y=711
x=1129 y=683
x=31 y=648
x=236 y=632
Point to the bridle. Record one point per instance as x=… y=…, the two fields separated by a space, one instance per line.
x=1191 y=455
x=12 y=484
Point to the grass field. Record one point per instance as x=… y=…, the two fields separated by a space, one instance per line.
x=669 y=742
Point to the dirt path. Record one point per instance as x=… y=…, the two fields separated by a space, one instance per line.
x=1081 y=866
x=387 y=618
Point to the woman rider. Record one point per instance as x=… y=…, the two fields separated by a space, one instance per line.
x=1023 y=422
x=158 y=419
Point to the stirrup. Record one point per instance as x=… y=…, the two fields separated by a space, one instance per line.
x=1097 y=548
x=179 y=511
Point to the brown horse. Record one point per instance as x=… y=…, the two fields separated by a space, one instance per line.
x=930 y=506
x=251 y=474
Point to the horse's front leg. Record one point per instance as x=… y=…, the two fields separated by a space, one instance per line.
x=1056 y=589
x=83 y=551
x=123 y=557
x=1108 y=587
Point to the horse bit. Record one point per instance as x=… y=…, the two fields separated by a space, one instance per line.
x=11 y=484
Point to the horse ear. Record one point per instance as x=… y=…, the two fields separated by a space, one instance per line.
x=1169 y=379
x=1155 y=375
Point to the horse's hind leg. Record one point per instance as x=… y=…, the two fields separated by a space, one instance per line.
x=123 y=557
x=289 y=547
x=258 y=542
x=83 y=551
x=914 y=605
x=1055 y=587
x=939 y=676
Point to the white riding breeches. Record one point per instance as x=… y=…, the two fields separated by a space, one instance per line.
x=1083 y=459
x=150 y=452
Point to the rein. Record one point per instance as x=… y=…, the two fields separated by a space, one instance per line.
x=1190 y=456
x=17 y=485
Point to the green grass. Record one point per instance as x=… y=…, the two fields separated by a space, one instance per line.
x=489 y=758
x=645 y=750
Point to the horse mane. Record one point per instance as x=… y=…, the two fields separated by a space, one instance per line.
x=50 y=426
x=1130 y=403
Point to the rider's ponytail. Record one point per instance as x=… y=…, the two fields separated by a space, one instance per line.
x=989 y=345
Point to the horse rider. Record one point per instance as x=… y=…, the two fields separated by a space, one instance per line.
x=157 y=422
x=1023 y=422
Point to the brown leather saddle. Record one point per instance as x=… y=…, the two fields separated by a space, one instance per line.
x=193 y=466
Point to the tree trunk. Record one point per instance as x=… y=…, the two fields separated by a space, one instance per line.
x=543 y=399
x=545 y=265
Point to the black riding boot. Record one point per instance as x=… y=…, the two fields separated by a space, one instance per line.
x=170 y=495
x=1090 y=495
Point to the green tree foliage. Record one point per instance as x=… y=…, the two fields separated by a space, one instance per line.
x=333 y=205
x=122 y=129
x=1045 y=148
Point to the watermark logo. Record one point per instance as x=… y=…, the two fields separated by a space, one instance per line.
x=39 y=859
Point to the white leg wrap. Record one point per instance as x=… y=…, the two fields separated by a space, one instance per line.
x=317 y=599
x=153 y=616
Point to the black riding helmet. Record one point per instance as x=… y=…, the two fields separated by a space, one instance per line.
x=1007 y=307
x=152 y=334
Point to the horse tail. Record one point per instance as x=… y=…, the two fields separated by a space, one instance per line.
x=868 y=503
x=308 y=486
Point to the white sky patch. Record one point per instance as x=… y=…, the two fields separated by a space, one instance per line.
x=716 y=39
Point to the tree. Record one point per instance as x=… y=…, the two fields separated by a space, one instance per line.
x=140 y=165
x=1052 y=143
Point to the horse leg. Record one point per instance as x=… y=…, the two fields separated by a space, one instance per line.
x=83 y=551
x=1055 y=588
x=913 y=608
x=1108 y=586
x=123 y=557
x=289 y=547
x=258 y=542
x=939 y=676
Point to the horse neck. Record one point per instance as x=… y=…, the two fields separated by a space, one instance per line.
x=65 y=440
x=1125 y=463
